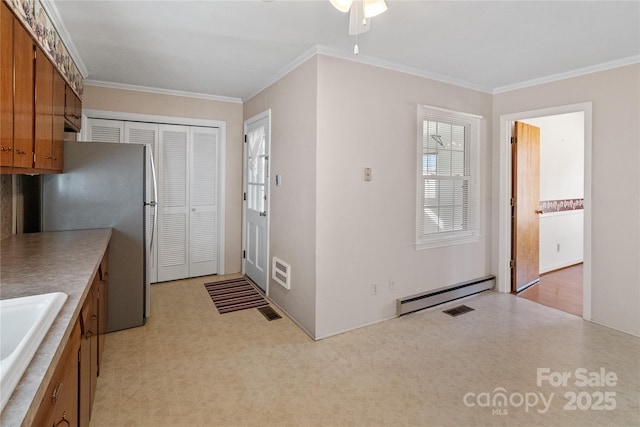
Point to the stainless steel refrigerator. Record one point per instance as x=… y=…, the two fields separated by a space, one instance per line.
x=109 y=185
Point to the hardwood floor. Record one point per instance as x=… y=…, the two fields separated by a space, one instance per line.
x=561 y=289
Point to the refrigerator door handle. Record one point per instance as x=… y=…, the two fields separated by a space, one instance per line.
x=153 y=203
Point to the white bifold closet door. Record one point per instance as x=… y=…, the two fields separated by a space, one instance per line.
x=187 y=160
x=147 y=133
x=102 y=130
x=188 y=222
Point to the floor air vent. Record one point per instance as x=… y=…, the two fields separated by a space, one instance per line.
x=442 y=295
x=269 y=313
x=457 y=311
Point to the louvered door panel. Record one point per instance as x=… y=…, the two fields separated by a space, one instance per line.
x=101 y=130
x=173 y=236
x=147 y=133
x=203 y=201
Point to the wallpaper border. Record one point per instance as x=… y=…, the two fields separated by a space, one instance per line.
x=39 y=25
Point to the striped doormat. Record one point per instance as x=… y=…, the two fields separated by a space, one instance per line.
x=235 y=294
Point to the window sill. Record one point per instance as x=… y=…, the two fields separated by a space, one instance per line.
x=446 y=240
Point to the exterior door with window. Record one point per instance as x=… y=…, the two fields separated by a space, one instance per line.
x=256 y=197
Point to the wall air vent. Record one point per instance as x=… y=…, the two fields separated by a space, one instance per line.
x=281 y=272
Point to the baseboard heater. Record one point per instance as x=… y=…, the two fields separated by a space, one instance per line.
x=442 y=295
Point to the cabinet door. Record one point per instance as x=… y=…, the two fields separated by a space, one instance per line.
x=88 y=355
x=57 y=162
x=103 y=304
x=60 y=402
x=78 y=113
x=23 y=52
x=6 y=85
x=44 y=112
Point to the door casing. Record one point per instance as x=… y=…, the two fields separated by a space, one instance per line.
x=504 y=208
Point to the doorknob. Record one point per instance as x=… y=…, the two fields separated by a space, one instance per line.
x=538 y=211
x=263 y=213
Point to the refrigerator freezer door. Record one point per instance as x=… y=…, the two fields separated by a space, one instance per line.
x=103 y=187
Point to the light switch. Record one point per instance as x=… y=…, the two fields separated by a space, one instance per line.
x=367 y=174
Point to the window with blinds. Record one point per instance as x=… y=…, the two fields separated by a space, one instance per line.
x=448 y=200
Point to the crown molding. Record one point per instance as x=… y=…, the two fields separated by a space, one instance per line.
x=569 y=74
x=161 y=91
x=362 y=59
x=52 y=11
x=297 y=61
x=392 y=66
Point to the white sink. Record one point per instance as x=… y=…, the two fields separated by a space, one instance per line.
x=24 y=322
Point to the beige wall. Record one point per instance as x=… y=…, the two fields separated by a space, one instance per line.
x=367 y=117
x=615 y=229
x=292 y=218
x=107 y=99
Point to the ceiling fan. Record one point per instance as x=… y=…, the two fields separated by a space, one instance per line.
x=359 y=10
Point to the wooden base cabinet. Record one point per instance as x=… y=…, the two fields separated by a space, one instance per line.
x=60 y=404
x=69 y=397
x=89 y=352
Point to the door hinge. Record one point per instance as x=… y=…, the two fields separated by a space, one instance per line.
x=512 y=263
x=513 y=201
x=244 y=254
x=244 y=197
x=514 y=140
x=245 y=138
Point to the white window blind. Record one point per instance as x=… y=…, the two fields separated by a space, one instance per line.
x=447 y=197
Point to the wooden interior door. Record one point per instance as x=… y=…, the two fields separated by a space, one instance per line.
x=525 y=200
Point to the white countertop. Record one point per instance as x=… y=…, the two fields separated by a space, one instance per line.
x=37 y=263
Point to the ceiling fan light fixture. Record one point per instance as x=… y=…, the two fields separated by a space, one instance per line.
x=373 y=7
x=342 y=5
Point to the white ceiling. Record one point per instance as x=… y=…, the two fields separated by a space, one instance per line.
x=235 y=48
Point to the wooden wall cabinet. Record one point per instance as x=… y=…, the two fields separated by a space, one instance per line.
x=23 y=97
x=44 y=112
x=6 y=85
x=37 y=105
x=72 y=110
x=57 y=150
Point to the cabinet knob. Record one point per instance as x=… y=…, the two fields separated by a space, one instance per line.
x=19 y=151
x=3 y=148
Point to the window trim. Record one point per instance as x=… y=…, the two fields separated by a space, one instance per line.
x=473 y=122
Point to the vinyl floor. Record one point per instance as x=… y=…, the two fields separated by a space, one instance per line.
x=496 y=365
